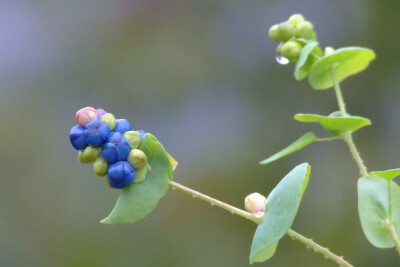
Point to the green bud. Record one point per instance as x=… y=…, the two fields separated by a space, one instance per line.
x=279 y=48
x=91 y=153
x=255 y=203
x=305 y=30
x=100 y=167
x=291 y=50
x=328 y=50
x=296 y=19
x=109 y=119
x=133 y=138
x=141 y=174
x=285 y=31
x=81 y=158
x=137 y=158
x=274 y=33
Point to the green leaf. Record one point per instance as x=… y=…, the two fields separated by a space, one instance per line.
x=308 y=55
x=388 y=174
x=373 y=208
x=280 y=211
x=306 y=139
x=335 y=125
x=137 y=200
x=344 y=62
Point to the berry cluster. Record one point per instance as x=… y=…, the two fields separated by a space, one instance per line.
x=292 y=35
x=111 y=145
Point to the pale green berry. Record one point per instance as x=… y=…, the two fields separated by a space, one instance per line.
x=279 y=48
x=137 y=158
x=133 y=138
x=81 y=158
x=109 y=119
x=291 y=50
x=274 y=33
x=305 y=30
x=285 y=31
x=100 y=167
x=91 y=153
x=141 y=174
x=296 y=19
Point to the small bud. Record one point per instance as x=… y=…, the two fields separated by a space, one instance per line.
x=274 y=33
x=291 y=50
x=77 y=137
x=255 y=204
x=279 y=48
x=100 y=112
x=296 y=19
x=285 y=31
x=109 y=119
x=122 y=126
x=91 y=153
x=137 y=158
x=84 y=115
x=305 y=30
x=96 y=132
x=81 y=158
x=140 y=175
x=120 y=174
x=100 y=167
x=116 y=148
x=328 y=50
x=133 y=138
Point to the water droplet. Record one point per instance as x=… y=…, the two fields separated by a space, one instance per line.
x=282 y=60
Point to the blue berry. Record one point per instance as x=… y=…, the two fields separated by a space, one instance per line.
x=77 y=137
x=116 y=148
x=120 y=174
x=96 y=132
x=122 y=126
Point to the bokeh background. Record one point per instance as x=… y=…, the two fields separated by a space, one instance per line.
x=202 y=77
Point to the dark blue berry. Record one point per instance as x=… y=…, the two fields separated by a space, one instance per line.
x=77 y=137
x=96 y=132
x=120 y=174
x=122 y=126
x=116 y=148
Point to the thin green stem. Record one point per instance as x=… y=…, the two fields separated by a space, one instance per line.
x=338 y=92
x=390 y=203
x=394 y=236
x=327 y=139
x=257 y=220
x=348 y=138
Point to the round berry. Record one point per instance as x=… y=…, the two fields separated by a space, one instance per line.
x=285 y=30
x=137 y=158
x=305 y=30
x=100 y=167
x=120 y=174
x=133 y=138
x=109 y=119
x=122 y=126
x=116 y=148
x=291 y=50
x=296 y=19
x=96 y=132
x=274 y=33
x=84 y=115
x=100 y=112
x=77 y=137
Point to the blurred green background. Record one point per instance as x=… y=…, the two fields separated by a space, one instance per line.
x=202 y=77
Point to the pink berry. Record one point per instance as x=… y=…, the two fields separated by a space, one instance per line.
x=84 y=115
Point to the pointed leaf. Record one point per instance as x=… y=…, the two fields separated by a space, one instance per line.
x=137 y=200
x=335 y=125
x=306 y=139
x=388 y=174
x=280 y=211
x=373 y=208
x=308 y=55
x=344 y=62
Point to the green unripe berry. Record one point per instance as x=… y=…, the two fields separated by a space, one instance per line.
x=133 y=138
x=140 y=175
x=305 y=30
x=137 y=158
x=81 y=158
x=291 y=50
x=109 y=119
x=285 y=30
x=274 y=33
x=91 y=153
x=100 y=167
x=279 y=48
x=296 y=19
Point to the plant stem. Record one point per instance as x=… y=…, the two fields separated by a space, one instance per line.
x=325 y=139
x=394 y=236
x=257 y=220
x=348 y=138
x=338 y=92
